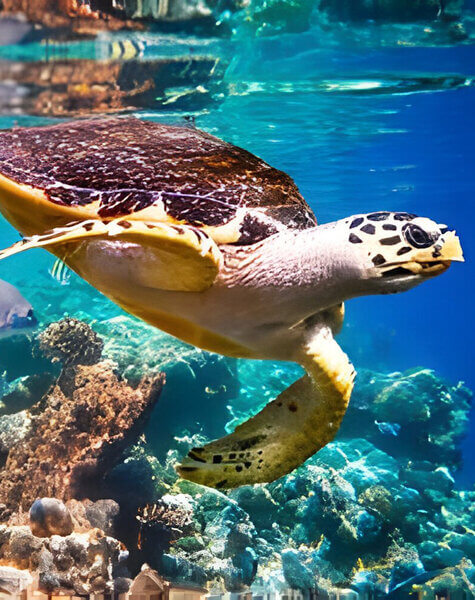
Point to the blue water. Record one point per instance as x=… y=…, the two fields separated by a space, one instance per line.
x=359 y=131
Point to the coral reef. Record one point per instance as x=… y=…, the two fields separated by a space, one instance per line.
x=71 y=342
x=374 y=511
x=55 y=455
x=78 y=436
x=80 y=428
x=95 y=466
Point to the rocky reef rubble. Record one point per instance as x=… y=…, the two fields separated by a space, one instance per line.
x=81 y=562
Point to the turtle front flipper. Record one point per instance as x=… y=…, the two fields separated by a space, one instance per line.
x=183 y=258
x=298 y=423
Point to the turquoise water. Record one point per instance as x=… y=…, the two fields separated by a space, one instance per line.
x=374 y=120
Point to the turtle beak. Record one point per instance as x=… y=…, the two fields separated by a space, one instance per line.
x=451 y=249
x=440 y=257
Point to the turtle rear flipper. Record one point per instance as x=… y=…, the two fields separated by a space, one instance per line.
x=185 y=258
x=298 y=423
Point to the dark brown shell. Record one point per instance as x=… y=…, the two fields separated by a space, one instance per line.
x=126 y=165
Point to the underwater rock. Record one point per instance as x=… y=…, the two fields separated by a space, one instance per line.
x=102 y=514
x=220 y=541
x=432 y=415
x=377 y=498
x=258 y=503
x=80 y=561
x=71 y=342
x=177 y=568
x=49 y=516
x=74 y=440
x=433 y=484
x=404 y=562
x=13 y=429
x=297 y=575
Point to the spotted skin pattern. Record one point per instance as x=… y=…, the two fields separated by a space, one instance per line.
x=125 y=165
x=395 y=231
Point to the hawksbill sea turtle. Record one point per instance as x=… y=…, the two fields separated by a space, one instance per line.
x=212 y=245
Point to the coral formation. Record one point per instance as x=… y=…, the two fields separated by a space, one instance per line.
x=81 y=427
x=71 y=342
x=77 y=437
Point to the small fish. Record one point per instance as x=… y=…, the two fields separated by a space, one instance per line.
x=16 y=313
x=388 y=428
x=60 y=272
x=126 y=49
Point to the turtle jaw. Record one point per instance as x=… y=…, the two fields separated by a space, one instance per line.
x=414 y=270
x=425 y=263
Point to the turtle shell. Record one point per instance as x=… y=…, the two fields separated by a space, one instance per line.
x=141 y=169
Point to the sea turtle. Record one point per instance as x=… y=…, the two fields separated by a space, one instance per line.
x=211 y=244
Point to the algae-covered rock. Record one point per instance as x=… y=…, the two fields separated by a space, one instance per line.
x=296 y=573
x=431 y=415
x=13 y=429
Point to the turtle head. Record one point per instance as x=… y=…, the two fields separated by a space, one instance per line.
x=400 y=250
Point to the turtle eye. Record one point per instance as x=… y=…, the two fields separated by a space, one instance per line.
x=417 y=237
